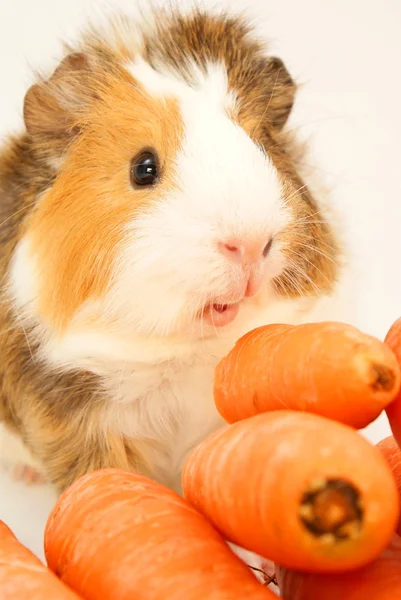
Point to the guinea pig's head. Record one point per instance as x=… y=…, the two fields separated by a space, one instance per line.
x=173 y=199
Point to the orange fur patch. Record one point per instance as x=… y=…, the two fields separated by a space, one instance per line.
x=79 y=224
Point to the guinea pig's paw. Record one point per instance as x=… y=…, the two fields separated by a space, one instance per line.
x=17 y=461
x=27 y=474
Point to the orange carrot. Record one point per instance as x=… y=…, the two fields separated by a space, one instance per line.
x=23 y=576
x=393 y=341
x=299 y=489
x=380 y=580
x=330 y=369
x=392 y=453
x=117 y=535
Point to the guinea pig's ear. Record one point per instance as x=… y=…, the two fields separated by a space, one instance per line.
x=279 y=90
x=52 y=106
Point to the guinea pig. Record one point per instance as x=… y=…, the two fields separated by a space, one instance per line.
x=151 y=213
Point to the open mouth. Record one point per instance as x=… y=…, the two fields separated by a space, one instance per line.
x=220 y=308
x=220 y=315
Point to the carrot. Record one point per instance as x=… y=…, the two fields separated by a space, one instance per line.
x=117 y=535
x=330 y=369
x=392 y=453
x=299 y=489
x=393 y=341
x=380 y=580
x=23 y=576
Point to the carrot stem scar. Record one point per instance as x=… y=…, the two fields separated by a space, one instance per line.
x=383 y=378
x=332 y=508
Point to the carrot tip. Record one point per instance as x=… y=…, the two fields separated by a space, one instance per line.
x=383 y=378
x=331 y=510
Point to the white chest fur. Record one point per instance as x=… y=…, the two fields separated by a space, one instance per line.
x=168 y=419
x=166 y=403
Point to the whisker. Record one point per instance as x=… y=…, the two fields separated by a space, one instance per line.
x=313 y=265
x=311 y=221
x=294 y=193
x=301 y=236
x=26 y=338
x=317 y=251
x=253 y=101
x=268 y=104
x=295 y=284
x=302 y=273
x=17 y=213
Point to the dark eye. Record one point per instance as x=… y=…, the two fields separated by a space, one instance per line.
x=144 y=170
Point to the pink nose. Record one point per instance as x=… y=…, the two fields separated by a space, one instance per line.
x=239 y=252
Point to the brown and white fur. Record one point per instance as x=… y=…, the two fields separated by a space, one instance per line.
x=108 y=323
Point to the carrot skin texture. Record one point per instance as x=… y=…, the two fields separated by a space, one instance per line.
x=23 y=576
x=249 y=480
x=379 y=580
x=393 y=341
x=392 y=453
x=331 y=369
x=117 y=535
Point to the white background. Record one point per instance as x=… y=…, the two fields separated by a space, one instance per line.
x=347 y=54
